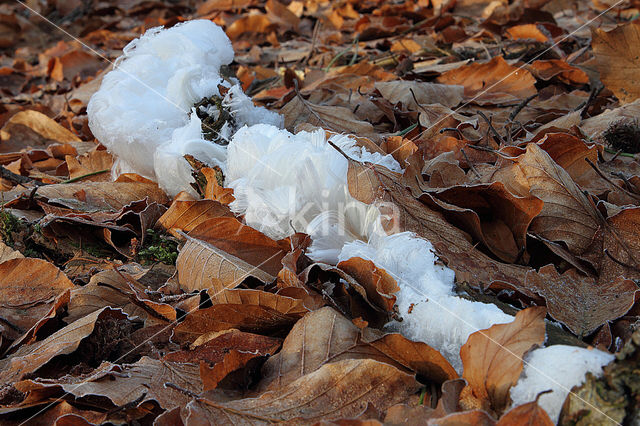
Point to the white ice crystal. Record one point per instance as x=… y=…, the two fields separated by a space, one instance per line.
x=438 y=317
x=558 y=368
x=284 y=183
x=143 y=112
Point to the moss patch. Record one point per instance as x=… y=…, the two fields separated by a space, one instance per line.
x=158 y=247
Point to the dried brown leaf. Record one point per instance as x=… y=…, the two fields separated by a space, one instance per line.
x=580 y=302
x=221 y=252
x=326 y=336
x=617 y=58
x=186 y=215
x=337 y=390
x=252 y=311
x=493 y=82
x=492 y=358
x=28 y=289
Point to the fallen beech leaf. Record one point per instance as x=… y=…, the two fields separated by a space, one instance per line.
x=186 y=215
x=28 y=289
x=617 y=54
x=326 y=336
x=595 y=126
x=492 y=358
x=219 y=343
x=525 y=415
x=567 y=215
x=257 y=23
x=571 y=153
x=214 y=189
x=407 y=93
x=335 y=118
x=490 y=213
x=337 y=390
x=493 y=82
x=97 y=196
x=621 y=240
x=88 y=163
x=7 y=253
x=30 y=358
x=475 y=418
x=32 y=129
x=247 y=310
x=118 y=289
x=233 y=372
x=226 y=252
x=526 y=32
x=378 y=285
x=142 y=381
x=579 y=302
x=548 y=69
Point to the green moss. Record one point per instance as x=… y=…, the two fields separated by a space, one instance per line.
x=158 y=247
x=9 y=224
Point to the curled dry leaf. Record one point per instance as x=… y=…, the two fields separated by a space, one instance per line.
x=118 y=289
x=525 y=415
x=212 y=347
x=492 y=358
x=143 y=381
x=407 y=93
x=186 y=215
x=378 y=285
x=226 y=252
x=369 y=183
x=568 y=215
x=617 y=58
x=99 y=196
x=32 y=129
x=28 y=290
x=337 y=390
x=493 y=82
x=28 y=359
x=335 y=118
x=580 y=302
x=490 y=213
x=247 y=310
x=325 y=336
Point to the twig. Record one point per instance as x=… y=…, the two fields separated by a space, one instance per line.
x=452 y=129
x=521 y=106
x=17 y=179
x=493 y=129
x=609 y=181
x=592 y=96
x=469 y=162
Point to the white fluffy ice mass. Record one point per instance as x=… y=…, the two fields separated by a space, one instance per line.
x=285 y=183
x=143 y=112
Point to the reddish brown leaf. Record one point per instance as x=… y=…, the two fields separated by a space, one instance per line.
x=492 y=358
x=247 y=310
x=493 y=82
x=617 y=54
x=528 y=414
x=227 y=252
x=28 y=289
x=580 y=302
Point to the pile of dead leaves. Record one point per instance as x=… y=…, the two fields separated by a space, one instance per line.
x=516 y=123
